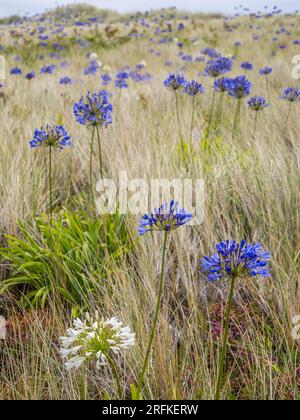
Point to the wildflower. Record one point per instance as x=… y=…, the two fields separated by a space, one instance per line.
x=216 y=68
x=175 y=82
x=65 y=81
x=257 y=103
x=291 y=95
x=265 y=71
x=121 y=83
x=239 y=87
x=247 y=66
x=30 y=76
x=222 y=84
x=50 y=136
x=94 y=110
x=106 y=79
x=193 y=88
x=15 y=71
x=165 y=218
x=236 y=259
x=48 y=69
x=92 y=68
x=95 y=339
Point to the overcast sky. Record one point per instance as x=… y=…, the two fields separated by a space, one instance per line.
x=9 y=7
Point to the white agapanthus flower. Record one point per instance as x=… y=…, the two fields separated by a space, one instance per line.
x=94 y=339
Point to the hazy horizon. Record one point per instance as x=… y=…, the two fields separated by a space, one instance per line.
x=32 y=7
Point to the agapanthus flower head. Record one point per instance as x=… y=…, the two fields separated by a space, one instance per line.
x=265 y=71
x=65 y=81
x=51 y=136
x=175 y=81
x=94 y=110
x=291 y=95
x=48 y=69
x=15 y=71
x=239 y=87
x=257 y=103
x=239 y=260
x=106 y=79
x=247 y=65
x=94 y=339
x=222 y=84
x=193 y=88
x=123 y=75
x=30 y=76
x=165 y=218
x=121 y=83
x=215 y=68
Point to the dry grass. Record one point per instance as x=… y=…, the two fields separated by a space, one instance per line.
x=252 y=192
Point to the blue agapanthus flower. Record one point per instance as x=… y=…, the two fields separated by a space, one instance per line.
x=215 y=68
x=123 y=75
x=94 y=110
x=15 y=71
x=291 y=95
x=51 y=136
x=92 y=68
x=65 y=81
x=48 y=69
x=257 y=103
x=106 y=79
x=234 y=259
x=30 y=76
x=265 y=71
x=239 y=87
x=222 y=84
x=175 y=81
x=193 y=88
x=247 y=65
x=121 y=83
x=166 y=218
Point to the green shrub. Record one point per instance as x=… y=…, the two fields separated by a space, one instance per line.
x=67 y=261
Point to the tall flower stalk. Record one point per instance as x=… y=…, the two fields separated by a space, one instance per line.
x=290 y=95
x=257 y=104
x=174 y=83
x=233 y=261
x=165 y=219
x=94 y=111
x=238 y=88
x=96 y=340
x=51 y=137
x=216 y=68
x=193 y=89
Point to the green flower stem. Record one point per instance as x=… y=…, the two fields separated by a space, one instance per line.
x=178 y=119
x=225 y=340
x=193 y=119
x=237 y=117
x=100 y=152
x=287 y=118
x=255 y=123
x=91 y=165
x=211 y=110
x=116 y=375
x=159 y=297
x=50 y=184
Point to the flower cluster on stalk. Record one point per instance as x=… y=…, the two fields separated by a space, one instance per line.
x=257 y=103
x=94 y=339
x=234 y=259
x=51 y=136
x=94 y=110
x=165 y=218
